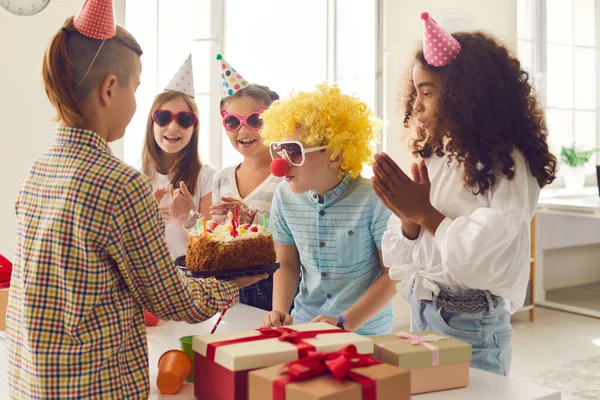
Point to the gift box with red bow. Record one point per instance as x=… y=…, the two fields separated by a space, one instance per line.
x=436 y=362
x=5 y=274
x=340 y=374
x=222 y=361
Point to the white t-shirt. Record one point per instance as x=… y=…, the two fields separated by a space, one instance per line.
x=225 y=185
x=175 y=235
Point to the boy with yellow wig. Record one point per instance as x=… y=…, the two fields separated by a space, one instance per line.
x=326 y=219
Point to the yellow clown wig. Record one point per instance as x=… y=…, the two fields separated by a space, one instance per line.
x=328 y=118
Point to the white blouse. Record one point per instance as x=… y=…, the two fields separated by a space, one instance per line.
x=260 y=199
x=484 y=242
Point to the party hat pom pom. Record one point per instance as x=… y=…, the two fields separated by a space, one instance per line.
x=424 y=16
x=219 y=56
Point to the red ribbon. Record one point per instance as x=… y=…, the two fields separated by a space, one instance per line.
x=339 y=363
x=5 y=272
x=284 y=334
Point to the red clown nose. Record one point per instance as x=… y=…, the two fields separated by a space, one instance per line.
x=280 y=167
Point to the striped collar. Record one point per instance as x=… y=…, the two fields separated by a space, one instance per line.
x=332 y=195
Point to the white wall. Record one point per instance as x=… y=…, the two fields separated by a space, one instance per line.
x=26 y=114
x=402 y=30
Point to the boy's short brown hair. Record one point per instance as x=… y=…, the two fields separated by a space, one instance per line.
x=69 y=56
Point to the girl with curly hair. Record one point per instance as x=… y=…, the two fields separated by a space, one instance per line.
x=459 y=237
x=326 y=219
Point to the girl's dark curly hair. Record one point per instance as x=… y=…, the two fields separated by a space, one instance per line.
x=486 y=100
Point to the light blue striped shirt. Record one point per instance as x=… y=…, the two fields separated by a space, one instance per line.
x=338 y=241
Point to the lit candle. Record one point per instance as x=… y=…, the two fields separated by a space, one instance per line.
x=230 y=216
x=265 y=220
x=203 y=221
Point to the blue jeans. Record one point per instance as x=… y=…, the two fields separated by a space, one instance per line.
x=488 y=331
x=259 y=294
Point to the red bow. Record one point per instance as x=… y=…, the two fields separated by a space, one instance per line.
x=5 y=272
x=283 y=334
x=339 y=363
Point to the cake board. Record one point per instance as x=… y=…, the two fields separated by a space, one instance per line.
x=225 y=274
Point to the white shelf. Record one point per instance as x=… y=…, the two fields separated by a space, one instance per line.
x=582 y=299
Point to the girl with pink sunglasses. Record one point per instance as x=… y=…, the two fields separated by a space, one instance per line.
x=250 y=184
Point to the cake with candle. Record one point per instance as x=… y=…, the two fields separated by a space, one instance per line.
x=213 y=246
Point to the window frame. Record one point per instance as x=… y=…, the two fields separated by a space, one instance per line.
x=540 y=70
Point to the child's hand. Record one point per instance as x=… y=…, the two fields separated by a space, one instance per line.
x=327 y=319
x=407 y=199
x=275 y=319
x=244 y=281
x=159 y=193
x=182 y=201
x=228 y=204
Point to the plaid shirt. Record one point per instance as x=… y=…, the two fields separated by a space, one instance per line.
x=90 y=255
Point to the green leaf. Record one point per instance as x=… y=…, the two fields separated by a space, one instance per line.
x=576 y=158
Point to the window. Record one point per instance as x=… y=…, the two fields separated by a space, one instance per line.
x=285 y=44
x=557 y=42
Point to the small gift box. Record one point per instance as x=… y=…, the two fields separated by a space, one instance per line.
x=436 y=362
x=328 y=376
x=222 y=361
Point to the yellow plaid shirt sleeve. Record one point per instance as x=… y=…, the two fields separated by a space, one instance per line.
x=146 y=267
x=89 y=256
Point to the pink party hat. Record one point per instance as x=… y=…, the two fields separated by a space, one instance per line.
x=183 y=81
x=439 y=47
x=96 y=19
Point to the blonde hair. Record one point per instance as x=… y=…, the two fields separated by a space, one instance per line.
x=329 y=118
x=68 y=57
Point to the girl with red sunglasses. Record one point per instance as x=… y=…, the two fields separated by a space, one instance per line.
x=248 y=185
x=181 y=182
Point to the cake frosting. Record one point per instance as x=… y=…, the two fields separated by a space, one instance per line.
x=220 y=248
x=222 y=232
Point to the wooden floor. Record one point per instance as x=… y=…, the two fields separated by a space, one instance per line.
x=555 y=338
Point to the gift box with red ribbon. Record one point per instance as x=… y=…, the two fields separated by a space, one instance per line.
x=222 y=361
x=436 y=362
x=5 y=275
x=340 y=374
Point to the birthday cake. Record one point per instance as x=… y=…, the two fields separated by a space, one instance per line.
x=227 y=246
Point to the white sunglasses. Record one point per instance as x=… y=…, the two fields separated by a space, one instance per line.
x=293 y=151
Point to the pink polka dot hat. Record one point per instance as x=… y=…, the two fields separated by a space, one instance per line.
x=439 y=47
x=96 y=19
x=183 y=81
x=231 y=80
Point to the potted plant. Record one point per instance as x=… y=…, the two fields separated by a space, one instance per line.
x=575 y=161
